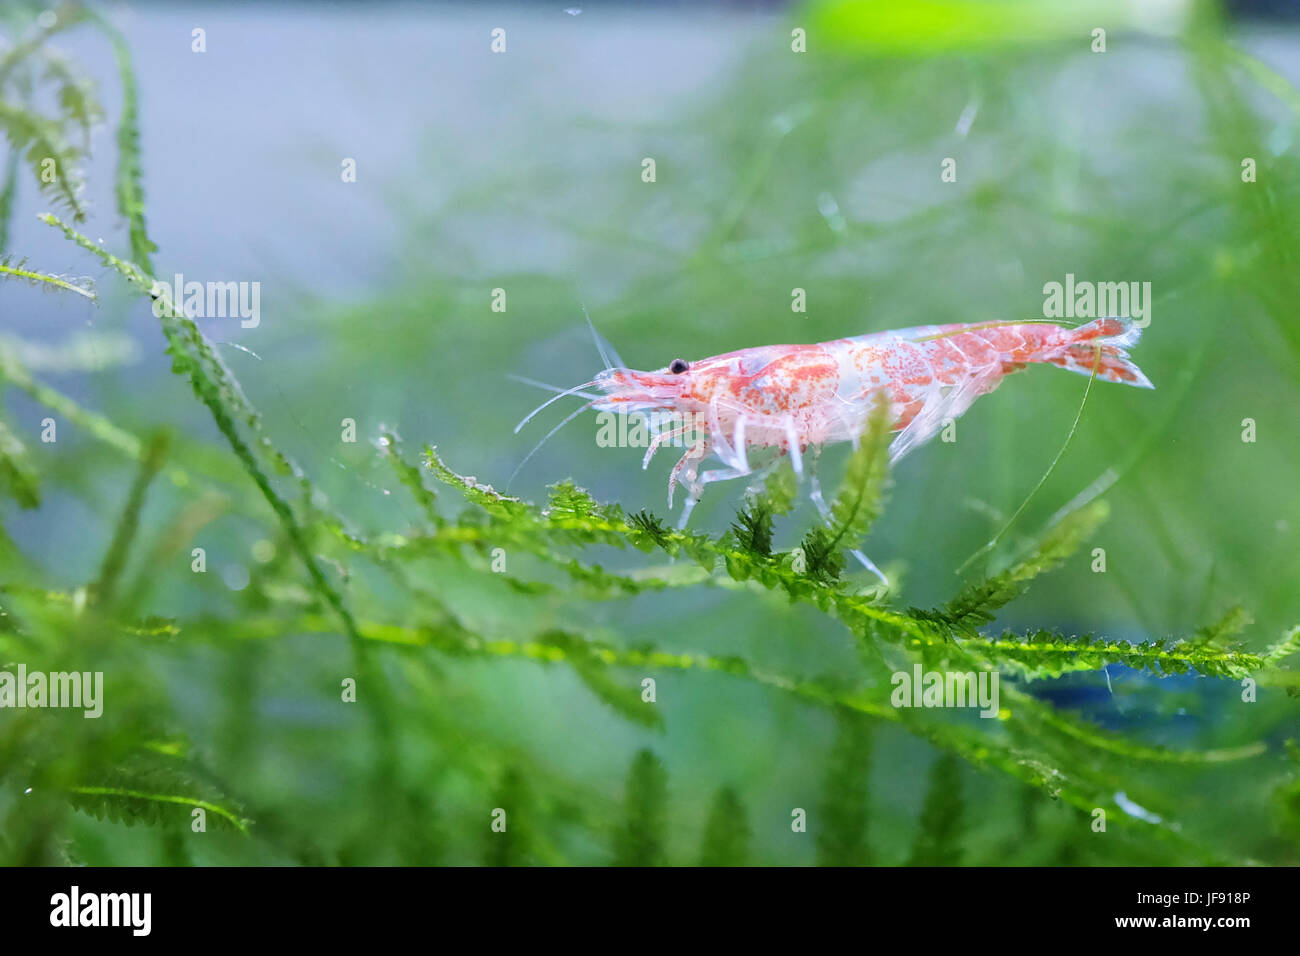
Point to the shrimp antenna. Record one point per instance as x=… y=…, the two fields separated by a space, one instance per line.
x=607 y=351
x=577 y=389
x=546 y=385
x=538 y=446
x=993 y=542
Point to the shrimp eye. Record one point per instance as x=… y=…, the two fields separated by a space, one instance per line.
x=678 y=366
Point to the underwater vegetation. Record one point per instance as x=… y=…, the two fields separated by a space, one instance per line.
x=326 y=633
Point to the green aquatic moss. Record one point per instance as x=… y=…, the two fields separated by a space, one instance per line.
x=475 y=594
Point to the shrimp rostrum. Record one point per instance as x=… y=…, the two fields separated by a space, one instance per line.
x=752 y=408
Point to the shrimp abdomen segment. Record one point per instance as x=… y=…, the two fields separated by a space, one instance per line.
x=1016 y=345
x=934 y=373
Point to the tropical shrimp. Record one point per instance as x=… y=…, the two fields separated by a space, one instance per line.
x=794 y=399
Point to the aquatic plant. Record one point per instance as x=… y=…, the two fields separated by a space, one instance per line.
x=476 y=582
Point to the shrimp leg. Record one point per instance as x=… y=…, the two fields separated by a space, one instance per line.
x=723 y=474
x=815 y=495
x=659 y=439
x=735 y=456
x=686 y=472
x=727 y=474
x=756 y=486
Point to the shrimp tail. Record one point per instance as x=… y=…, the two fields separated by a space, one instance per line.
x=1112 y=337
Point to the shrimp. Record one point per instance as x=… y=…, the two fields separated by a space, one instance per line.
x=791 y=400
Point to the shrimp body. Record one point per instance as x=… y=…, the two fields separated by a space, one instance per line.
x=797 y=398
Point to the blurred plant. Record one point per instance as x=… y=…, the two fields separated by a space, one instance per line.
x=52 y=139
